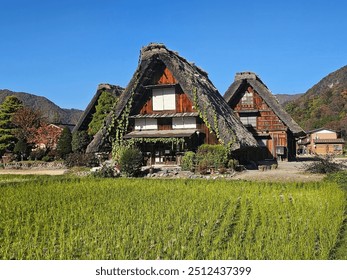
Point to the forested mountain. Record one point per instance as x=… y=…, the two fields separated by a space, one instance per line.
x=323 y=105
x=283 y=99
x=50 y=110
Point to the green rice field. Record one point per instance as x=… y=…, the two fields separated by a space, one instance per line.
x=55 y=218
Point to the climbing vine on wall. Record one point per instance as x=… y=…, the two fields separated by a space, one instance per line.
x=203 y=115
x=119 y=126
x=164 y=140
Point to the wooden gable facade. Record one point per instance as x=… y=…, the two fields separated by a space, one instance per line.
x=165 y=123
x=274 y=130
x=182 y=101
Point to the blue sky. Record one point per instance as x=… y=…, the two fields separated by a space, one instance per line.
x=63 y=49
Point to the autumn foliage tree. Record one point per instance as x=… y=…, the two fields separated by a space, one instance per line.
x=28 y=122
x=47 y=135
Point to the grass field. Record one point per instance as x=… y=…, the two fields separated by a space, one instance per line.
x=59 y=217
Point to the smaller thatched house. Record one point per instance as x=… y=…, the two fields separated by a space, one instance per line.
x=274 y=129
x=169 y=107
x=87 y=116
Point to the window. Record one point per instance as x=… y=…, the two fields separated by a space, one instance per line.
x=146 y=124
x=247 y=98
x=337 y=147
x=179 y=123
x=249 y=121
x=164 y=99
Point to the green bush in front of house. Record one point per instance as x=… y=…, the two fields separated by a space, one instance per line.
x=188 y=161
x=212 y=156
x=130 y=161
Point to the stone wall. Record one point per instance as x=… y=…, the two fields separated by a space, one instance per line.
x=34 y=165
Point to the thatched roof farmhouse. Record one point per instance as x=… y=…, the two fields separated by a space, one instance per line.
x=171 y=98
x=259 y=110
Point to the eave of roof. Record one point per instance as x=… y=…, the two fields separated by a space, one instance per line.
x=329 y=141
x=164 y=115
x=174 y=133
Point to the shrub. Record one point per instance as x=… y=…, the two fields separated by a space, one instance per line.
x=203 y=166
x=232 y=163
x=117 y=152
x=81 y=159
x=52 y=154
x=106 y=171
x=74 y=159
x=46 y=158
x=188 y=161
x=37 y=154
x=214 y=156
x=21 y=149
x=131 y=161
x=323 y=165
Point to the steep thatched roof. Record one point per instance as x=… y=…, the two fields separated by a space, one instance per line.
x=87 y=115
x=154 y=58
x=249 y=78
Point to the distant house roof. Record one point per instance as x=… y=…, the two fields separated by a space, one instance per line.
x=244 y=78
x=87 y=115
x=194 y=82
x=58 y=126
x=321 y=129
x=161 y=133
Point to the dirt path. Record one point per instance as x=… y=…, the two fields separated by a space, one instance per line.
x=33 y=171
x=286 y=172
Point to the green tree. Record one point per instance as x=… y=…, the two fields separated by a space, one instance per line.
x=105 y=103
x=80 y=141
x=10 y=105
x=21 y=148
x=64 y=143
x=131 y=161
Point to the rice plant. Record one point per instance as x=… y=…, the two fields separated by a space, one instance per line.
x=70 y=218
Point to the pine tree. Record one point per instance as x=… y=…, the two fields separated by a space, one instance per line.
x=80 y=141
x=64 y=143
x=10 y=105
x=105 y=103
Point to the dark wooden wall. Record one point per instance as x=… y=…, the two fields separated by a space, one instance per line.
x=266 y=118
x=269 y=126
